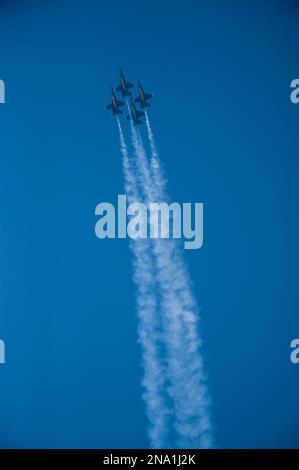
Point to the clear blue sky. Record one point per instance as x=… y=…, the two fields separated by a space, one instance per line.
x=228 y=137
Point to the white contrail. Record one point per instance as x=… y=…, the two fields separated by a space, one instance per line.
x=176 y=271
x=159 y=180
x=148 y=331
x=179 y=319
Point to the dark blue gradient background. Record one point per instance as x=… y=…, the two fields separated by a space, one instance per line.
x=228 y=137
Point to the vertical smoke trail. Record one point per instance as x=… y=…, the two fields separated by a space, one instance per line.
x=153 y=380
x=158 y=176
x=187 y=380
x=186 y=389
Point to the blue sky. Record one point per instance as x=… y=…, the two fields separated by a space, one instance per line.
x=228 y=137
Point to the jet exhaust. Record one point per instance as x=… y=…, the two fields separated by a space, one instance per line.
x=187 y=393
x=148 y=328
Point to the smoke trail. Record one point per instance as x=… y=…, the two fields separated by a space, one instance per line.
x=154 y=376
x=186 y=380
x=158 y=176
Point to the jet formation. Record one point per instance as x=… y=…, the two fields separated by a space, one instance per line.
x=142 y=100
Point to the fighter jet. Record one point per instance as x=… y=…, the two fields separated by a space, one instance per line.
x=124 y=86
x=115 y=104
x=135 y=114
x=143 y=97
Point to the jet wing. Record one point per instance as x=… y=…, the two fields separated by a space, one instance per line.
x=129 y=84
x=135 y=120
x=147 y=96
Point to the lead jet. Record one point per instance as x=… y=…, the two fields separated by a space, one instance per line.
x=124 y=85
x=143 y=97
x=135 y=114
x=115 y=104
